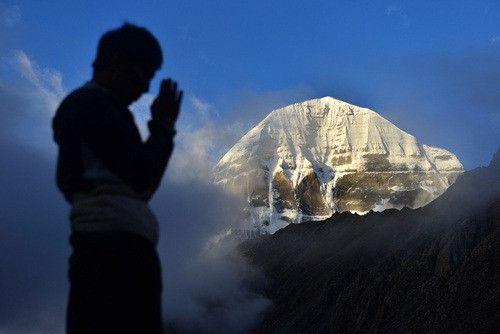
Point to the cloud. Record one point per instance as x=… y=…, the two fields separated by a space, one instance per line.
x=140 y=110
x=206 y=289
x=46 y=81
x=10 y=15
x=209 y=288
x=34 y=229
x=200 y=105
x=201 y=140
x=29 y=95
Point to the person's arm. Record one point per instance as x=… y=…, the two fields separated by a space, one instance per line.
x=69 y=159
x=164 y=112
x=156 y=153
x=112 y=135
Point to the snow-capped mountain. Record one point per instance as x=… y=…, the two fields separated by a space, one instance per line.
x=313 y=158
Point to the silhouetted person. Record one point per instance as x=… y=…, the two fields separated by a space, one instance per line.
x=108 y=174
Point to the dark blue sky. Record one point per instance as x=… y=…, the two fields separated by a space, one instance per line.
x=414 y=62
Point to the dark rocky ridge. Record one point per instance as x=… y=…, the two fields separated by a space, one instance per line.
x=431 y=270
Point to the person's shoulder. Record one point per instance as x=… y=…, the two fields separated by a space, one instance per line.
x=87 y=101
x=86 y=95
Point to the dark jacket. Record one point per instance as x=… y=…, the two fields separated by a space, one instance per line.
x=99 y=144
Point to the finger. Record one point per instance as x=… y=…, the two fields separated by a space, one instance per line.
x=179 y=100
x=165 y=86
x=174 y=89
x=179 y=96
x=162 y=87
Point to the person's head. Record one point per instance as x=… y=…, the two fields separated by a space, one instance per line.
x=126 y=61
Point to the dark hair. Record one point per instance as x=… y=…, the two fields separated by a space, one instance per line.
x=125 y=46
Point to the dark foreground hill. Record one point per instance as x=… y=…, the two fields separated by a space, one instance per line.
x=431 y=270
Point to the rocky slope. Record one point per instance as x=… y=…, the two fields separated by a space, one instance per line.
x=435 y=269
x=311 y=159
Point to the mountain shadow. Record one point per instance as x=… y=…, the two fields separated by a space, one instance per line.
x=435 y=269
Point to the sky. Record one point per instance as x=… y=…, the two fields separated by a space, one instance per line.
x=430 y=67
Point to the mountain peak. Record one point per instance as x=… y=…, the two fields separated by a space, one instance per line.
x=312 y=158
x=323 y=102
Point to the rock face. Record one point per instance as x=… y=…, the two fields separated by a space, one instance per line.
x=311 y=159
x=430 y=270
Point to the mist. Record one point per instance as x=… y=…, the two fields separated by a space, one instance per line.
x=207 y=287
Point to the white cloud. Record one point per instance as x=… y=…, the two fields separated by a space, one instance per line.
x=218 y=276
x=141 y=112
x=200 y=105
x=46 y=81
x=200 y=141
x=30 y=95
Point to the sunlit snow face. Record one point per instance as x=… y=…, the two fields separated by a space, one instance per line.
x=324 y=155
